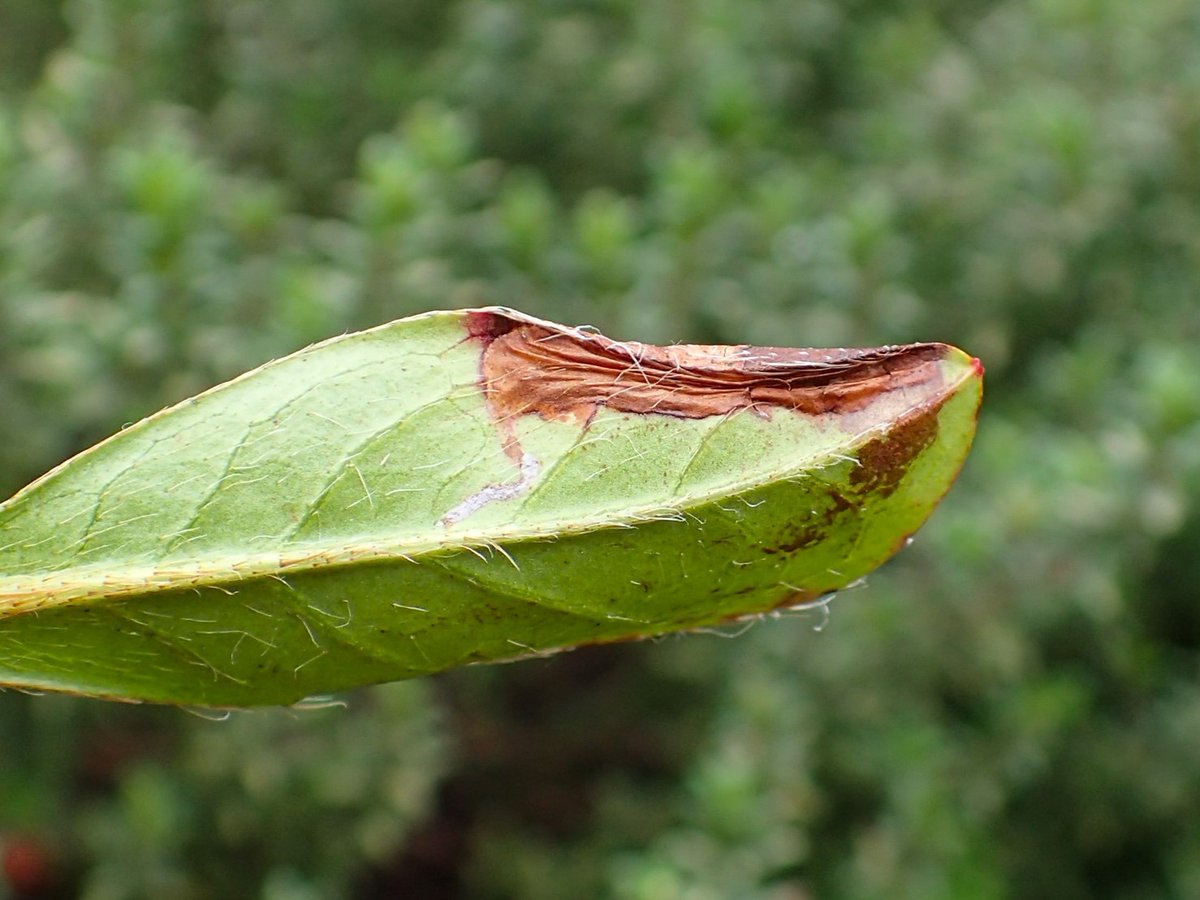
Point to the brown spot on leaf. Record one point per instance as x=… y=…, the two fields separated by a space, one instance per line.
x=532 y=366
x=883 y=462
x=814 y=529
x=799 y=540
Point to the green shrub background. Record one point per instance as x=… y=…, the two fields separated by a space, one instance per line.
x=1011 y=708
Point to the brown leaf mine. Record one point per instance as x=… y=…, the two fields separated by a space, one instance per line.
x=534 y=366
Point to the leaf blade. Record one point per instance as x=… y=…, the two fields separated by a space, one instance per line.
x=450 y=488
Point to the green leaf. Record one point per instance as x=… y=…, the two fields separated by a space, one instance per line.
x=461 y=487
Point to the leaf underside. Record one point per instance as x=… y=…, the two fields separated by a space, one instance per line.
x=466 y=486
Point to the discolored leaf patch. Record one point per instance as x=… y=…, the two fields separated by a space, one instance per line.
x=884 y=460
x=467 y=486
x=529 y=366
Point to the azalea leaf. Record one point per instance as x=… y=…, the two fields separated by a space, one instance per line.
x=461 y=487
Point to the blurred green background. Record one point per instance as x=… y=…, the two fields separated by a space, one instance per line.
x=1011 y=708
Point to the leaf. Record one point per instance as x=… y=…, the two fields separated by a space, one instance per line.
x=461 y=487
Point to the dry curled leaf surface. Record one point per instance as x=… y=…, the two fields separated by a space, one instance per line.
x=467 y=486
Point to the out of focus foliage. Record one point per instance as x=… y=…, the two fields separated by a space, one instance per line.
x=1010 y=709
